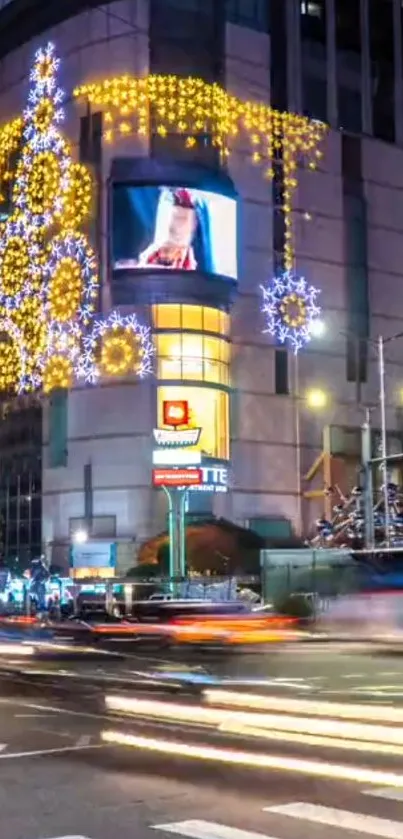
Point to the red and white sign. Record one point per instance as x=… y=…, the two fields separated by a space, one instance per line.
x=175 y=413
x=177 y=477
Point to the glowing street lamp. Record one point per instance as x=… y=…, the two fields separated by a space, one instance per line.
x=316 y=398
x=317 y=328
x=80 y=537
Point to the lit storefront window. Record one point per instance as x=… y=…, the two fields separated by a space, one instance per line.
x=209 y=410
x=192 y=345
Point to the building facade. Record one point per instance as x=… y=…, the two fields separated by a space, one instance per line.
x=337 y=61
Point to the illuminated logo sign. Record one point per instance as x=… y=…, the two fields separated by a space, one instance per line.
x=175 y=413
x=176 y=457
x=214 y=479
x=176 y=477
x=172 y=437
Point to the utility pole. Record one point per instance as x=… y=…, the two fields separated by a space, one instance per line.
x=366 y=458
x=384 y=443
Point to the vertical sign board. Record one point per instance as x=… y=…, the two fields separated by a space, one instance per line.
x=58 y=407
x=94 y=555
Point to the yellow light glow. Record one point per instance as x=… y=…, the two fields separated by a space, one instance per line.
x=58 y=374
x=31 y=321
x=342 y=710
x=88 y=573
x=77 y=197
x=119 y=353
x=65 y=290
x=43 y=115
x=44 y=182
x=316 y=398
x=10 y=138
x=15 y=270
x=10 y=365
x=209 y=410
x=293 y=310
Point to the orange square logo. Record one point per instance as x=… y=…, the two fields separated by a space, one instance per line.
x=175 y=413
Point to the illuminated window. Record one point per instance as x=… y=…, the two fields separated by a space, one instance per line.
x=192 y=316
x=193 y=356
x=208 y=409
x=211 y=320
x=197 y=318
x=167 y=316
x=225 y=323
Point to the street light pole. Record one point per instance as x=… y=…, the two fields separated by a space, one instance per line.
x=297 y=417
x=384 y=448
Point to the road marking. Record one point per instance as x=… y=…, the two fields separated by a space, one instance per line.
x=53 y=709
x=56 y=751
x=28 y=716
x=196 y=829
x=385 y=792
x=339 y=818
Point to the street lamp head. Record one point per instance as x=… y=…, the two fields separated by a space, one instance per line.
x=80 y=537
x=316 y=398
x=317 y=328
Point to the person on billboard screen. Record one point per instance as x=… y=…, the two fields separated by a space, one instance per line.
x=173 y=246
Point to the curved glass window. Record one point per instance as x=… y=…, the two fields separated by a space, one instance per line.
x=196 y=357
x=197 y=318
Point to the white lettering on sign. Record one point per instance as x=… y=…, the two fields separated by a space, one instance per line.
x=173 y=437
x=216 y=475
x=214 y=479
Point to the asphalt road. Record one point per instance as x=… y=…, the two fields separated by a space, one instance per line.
x=58 y=777
x=58 y=780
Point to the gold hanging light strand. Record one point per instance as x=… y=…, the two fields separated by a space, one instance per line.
x=192 y=107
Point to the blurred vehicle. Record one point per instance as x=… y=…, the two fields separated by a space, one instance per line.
x=164 y=611
x=370 y=615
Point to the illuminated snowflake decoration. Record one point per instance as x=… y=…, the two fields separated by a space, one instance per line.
x=49 y=283
x=290 y=309
x=123 y=329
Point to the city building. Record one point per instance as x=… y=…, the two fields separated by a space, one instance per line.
x=275 y=427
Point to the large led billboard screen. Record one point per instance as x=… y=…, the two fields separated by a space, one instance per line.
x=173 y=228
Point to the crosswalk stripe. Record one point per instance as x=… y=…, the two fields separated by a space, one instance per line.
x=196 y=829
x=389 y=793
x=344 y=819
